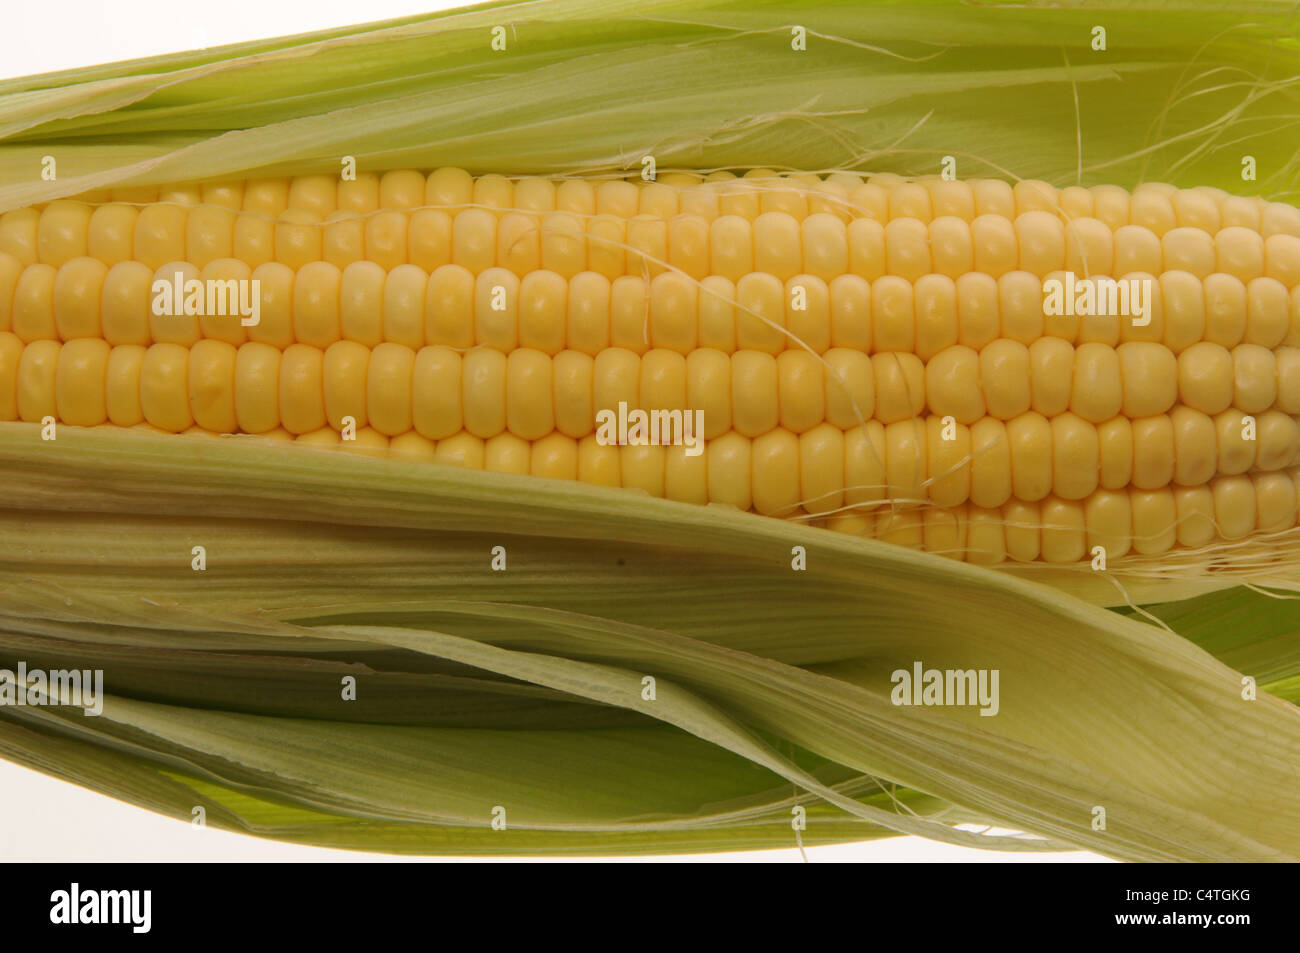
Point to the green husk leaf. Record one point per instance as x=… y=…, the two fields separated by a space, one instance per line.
x=592 y=86
x=1254 y=631
x=289 y=684
x=755 y=820
x=1096 y=708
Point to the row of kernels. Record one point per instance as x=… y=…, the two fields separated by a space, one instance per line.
x=590 y=311
x=891 y=313
x=158 y=233
x=772 y=474
x=1162 y=207
x=717 y=193
x=883 y=197
x=320 y=305
x=729 y=245
x=1040 y=243
x=1055 y=530
x=934 y=312
x=1097 y=381
x=1030 y=456
x=749 y=474
x=438 y=391
x=1156 y=206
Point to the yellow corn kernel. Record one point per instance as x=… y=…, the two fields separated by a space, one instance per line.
x=405 y=289
x=474 y=239
x=160 y=234
x=850 y=388
x=211 y=377
x=11 y=352
x=948 y=457
x=543 y=302
x=33 y=304
x=173 y=307
x=18 y=234
x=952 y=385
x=673 y=316
x=346 y=375
x=1076 y=457
x=122 y=385
x=79 y=382
x=343 y=239
x=429 y=239
x=413 y=446
x=587 y=313
x=63 y=232
x=36 y=386
x=688 y=245
x=598 y=463
x=775 y=461
x=359 y=195
x=437 y=392
x=990 y=465
x=302 y=389
x=226 y=194
x=257 y=387
x=907 y=248
x=755 y=404
x=900 y=386
x=389 y=382
x=316 y=304
x=164 y=387
x=506 y=453
x=530 y=408
x=572 y=375
x=227 y=296
x=642 y=468
x=77 y=292
x=563 y=244
x=555 y=457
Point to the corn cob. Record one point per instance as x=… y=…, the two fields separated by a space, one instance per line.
x=873 y=355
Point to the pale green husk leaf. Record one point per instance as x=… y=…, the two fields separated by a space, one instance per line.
x=392 y=560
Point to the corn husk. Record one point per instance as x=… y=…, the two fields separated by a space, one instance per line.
x=1181 y=93
x=525 y=690
x=321 y=562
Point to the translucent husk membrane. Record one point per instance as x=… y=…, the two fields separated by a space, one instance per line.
x=524 y=689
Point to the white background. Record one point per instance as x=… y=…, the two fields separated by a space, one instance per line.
x=45 y=819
